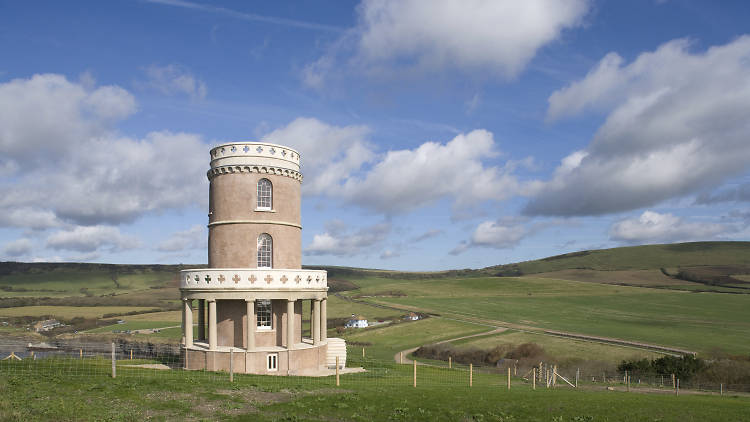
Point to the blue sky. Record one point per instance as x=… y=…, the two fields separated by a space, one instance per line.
x=434 y=134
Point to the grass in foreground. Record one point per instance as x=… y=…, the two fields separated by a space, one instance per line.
x=382 y=394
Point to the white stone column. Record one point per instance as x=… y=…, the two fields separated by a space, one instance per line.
x=201 y=320
x=290 y=324
x=324 y=320
x=251 y=324
x=187 y=313
x=212 y=334
x=315 y=322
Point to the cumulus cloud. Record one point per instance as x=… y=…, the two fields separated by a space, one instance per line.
x=404 y=180
x=69 y=165
x=677 y=124
x=340 y=240
x=174 y=79
x=329 y=153
x=88 y=239
x=652 y=227
x=339 y=162
x=192 y=238
x=18 y=247
x=502 y=234
x=500 y=37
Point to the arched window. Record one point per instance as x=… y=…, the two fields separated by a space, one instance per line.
x=265 y=194
x=265 y=251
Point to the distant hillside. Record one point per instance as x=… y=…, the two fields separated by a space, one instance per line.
x=636 y=258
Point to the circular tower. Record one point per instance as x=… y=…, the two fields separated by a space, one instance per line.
x=251 y=296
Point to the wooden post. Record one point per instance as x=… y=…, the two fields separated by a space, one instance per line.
x=533 y=379
x=625 y=378
x=114 y=368
x=721 y=389
x=554 y=375
x=450 y=362
x=677 y=388
x=509 y=378
x=231 y=365
x=337 y=371
x=662 y=381
x=401 y=357
x=604 y=377
x=32 y=355
x=131 y=354
x=471 y=374
x=578 y=374
x=363 y=353
x=627 y=382
x=414 y=362
x=80 y=353
x=515 y=370
x=674 y=385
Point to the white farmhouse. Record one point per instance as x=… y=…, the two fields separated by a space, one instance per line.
x=357 y=322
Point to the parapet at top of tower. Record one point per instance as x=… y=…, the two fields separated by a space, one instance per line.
x=254 y=153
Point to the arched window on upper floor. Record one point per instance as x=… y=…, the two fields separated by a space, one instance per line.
x=265 y=195
x=265 y=251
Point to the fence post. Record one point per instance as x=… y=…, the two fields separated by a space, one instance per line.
x=415 y=373
x=450 y=362
x=471 y=374
x=114 y=370
x=627 y=382
x=515 y=370
x=231 y=365
x=604 y=377
x=721 y=389
x=337 y=371
x=401 y=357
x=509 y=378
x=677 y=388
x=131 y=354
x=554 y=375
x=80 y=353
x=578 y=373
x=673 y=383
x=533 y=379
x=363 y=353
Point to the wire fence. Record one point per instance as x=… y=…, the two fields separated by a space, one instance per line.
x=147 y=361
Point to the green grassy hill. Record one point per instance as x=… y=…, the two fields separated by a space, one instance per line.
x=637 y=258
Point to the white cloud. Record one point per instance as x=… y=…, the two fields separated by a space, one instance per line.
x=66 y=163
x=388 y=254
x=18 y=247
x=427 y=235
x=330 y=154
x=408 y=179
x=654 y=227
x=340 y=240
x=677 y=125
x=498 y=235
x=339 y=162
x=174 y=79
x=496 y=36
x=192 y=238
x=89 y=239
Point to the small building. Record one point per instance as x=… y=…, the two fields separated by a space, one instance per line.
x=357 y=322
x=46 y=325
x=412 y=317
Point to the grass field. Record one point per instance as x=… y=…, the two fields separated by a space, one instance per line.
x=68 y=312
x=695 y=321
x=558 y=346
x=64 y=282
x=383 y=393
x=387 y=341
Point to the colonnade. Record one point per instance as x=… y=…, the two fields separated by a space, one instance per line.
x=318 y=322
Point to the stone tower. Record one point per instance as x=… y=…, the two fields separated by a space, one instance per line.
x=250 y=299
